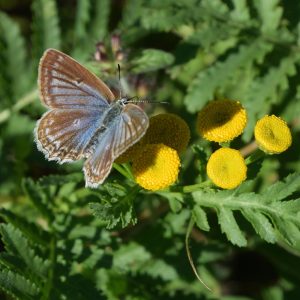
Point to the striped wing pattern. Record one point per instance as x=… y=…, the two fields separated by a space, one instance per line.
x=128 y=128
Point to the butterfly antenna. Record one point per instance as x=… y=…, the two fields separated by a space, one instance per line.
x=120 y=85
x=145 y=101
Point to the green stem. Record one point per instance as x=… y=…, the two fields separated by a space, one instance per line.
x=255 y=156
x=49 y=284
x=187 y=248
x=122 y=171
x=129 y=171
x=196 y=187
x=24 y=101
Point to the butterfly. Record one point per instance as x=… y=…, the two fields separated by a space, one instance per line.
x=84 y=120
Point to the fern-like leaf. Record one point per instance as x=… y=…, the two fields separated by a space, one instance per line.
x=266 y=91
x=81 y=20
x=31 y=230
x=18 y=245
x=269 y=213
x=38 y=197
x=100 y=20
x=203 y=87
x=116 y=206
x=270 y=14
x=46 y=30
x=152 y=60
x=18 y=286
x=12 y=60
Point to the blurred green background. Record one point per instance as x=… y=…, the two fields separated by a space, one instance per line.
x=186 y=52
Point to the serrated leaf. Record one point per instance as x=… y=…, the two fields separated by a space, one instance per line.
x=130 y=257
x=17 y=285
x=261 y=224
x=230 y=227
x=38 y=198
x=31 y=230
x=175 y=200
x=281 y=190
x=267 y=212
x=18 y=245
x=265 y=92
x=199 y=216
x=116 y=206
x=151 y=60
x=270 y=14
x=100 y=21
x=158 y=268
x=12 y=59
x=119 y=212
x=81 y=20
x=46 y=30
x=203 y=87
x=60 y=179
x=241 y=11
x=289 y=230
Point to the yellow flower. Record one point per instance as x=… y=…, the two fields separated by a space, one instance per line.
x=221 y=120
x=168 y=129
x=129 y=154
x=272 y=134
x=156 y=167
x=226 y=168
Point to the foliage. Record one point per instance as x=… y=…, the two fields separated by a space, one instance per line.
x=63 y=241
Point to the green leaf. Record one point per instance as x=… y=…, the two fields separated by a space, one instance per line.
x=175 y=200
x=100 y=22
x=270 y=14
x=31 y=230
x=240 y=12
x=203 y=87
x=266 y=91
x=18 y=286
x=268 y=212
x=200 y=218
x=261 y=224
x=38 y=197
x=230 y=227
x=134 y=258
x=17 y=244
x=12 y=59
x=81 y=20
x=116 y=206
x=151 y=60
x=46 y=30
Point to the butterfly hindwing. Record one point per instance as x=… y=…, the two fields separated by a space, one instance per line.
x=64 y=135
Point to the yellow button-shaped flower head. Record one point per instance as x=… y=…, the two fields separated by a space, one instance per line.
x=272 y=134
x=221 y=120
x=156 y=167
x=129 y=154
x=226 y=168
x=168 y=129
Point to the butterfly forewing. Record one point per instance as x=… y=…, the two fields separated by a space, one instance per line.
x=64 y=83
x=127 y=129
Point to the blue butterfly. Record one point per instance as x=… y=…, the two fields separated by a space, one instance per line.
x=85 y=119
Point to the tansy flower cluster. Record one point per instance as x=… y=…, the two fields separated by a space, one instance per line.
x=155 y=158
x=222 y=121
